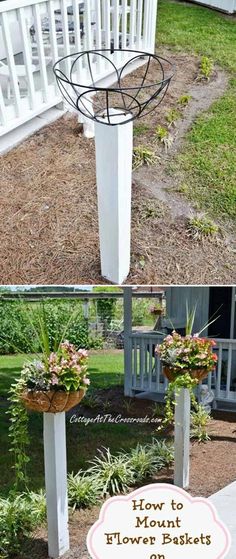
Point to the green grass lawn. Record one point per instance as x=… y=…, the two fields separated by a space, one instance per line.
x=208 y=160
x=106 y=369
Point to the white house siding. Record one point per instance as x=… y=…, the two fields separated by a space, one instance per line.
x=225 y=5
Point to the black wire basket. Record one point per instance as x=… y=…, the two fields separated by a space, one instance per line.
x=133 y=94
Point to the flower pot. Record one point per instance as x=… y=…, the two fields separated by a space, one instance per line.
x=198 y=374
x=52 y=401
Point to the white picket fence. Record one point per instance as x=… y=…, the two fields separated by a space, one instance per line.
x=34 y=34
x=147 y=374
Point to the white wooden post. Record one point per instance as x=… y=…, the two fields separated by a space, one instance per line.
x=114 y=150
x=128 y=341
x=182 y=437
x=56 y=483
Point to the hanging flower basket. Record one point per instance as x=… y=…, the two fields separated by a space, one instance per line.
x=191 y=355
x=197 y=374
x=57 y=383
x=52 y=401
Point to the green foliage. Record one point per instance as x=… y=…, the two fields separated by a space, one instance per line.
x=91 y=401
x=128 y=405
x=200 y=227
x=28 y=328
x=143 y=155
x=95 y=342
x=84 y=490
x=172 y=116
x=19 y=436
x=142 y=462
x=106 y=311
x=19 y=516
x=164 y=137
x=16 y=333
x=118 y=473
x=114 y=472
x=184 y=100
x=191 y=28
x=174 y=388
x=157 y=409
x=208 y=162
x=200 y=420
x=206 y=68
x=162 y=452
x=161 y=133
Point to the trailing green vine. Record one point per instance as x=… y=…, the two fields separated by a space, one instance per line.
x=18 y=435
x=173 y=390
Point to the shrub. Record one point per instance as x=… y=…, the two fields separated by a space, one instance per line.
x=161 y=133
x=206 y=68
x=143 y=462
x=201 y=226
x=163 y=453
x=91 y=401
x=19 y=516
x=143 y=155
x=184 y=100
x=163 y=136
x=199 y=423
x=83 y=490
x=114 y=472
x=172 y=116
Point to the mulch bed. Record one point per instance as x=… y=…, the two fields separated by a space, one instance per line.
x=213 y=466
x=48 y=213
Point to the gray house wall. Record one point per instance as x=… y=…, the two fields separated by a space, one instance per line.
x=178 y=297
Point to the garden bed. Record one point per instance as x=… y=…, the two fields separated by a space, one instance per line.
x=49 y=222
x=213 y=466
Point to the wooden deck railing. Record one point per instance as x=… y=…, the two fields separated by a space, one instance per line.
x=147 y=370
x=34 y=34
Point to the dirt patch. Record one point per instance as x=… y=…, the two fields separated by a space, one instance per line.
x=48 y=214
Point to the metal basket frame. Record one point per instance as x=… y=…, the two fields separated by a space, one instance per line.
x=131 y=105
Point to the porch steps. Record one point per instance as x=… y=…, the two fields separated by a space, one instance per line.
x=225 y=504
x=154 y=396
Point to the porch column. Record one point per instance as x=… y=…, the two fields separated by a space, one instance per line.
x=182 y=437
x=127 y=341
x=56 y=483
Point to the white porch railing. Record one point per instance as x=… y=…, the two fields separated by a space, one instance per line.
x=147 y=370
x=34 y=34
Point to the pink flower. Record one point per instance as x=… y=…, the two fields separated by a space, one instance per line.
x=54 y=380
x=83 y=353
x=56 y=369
x=52 y=358
x=86 y=381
